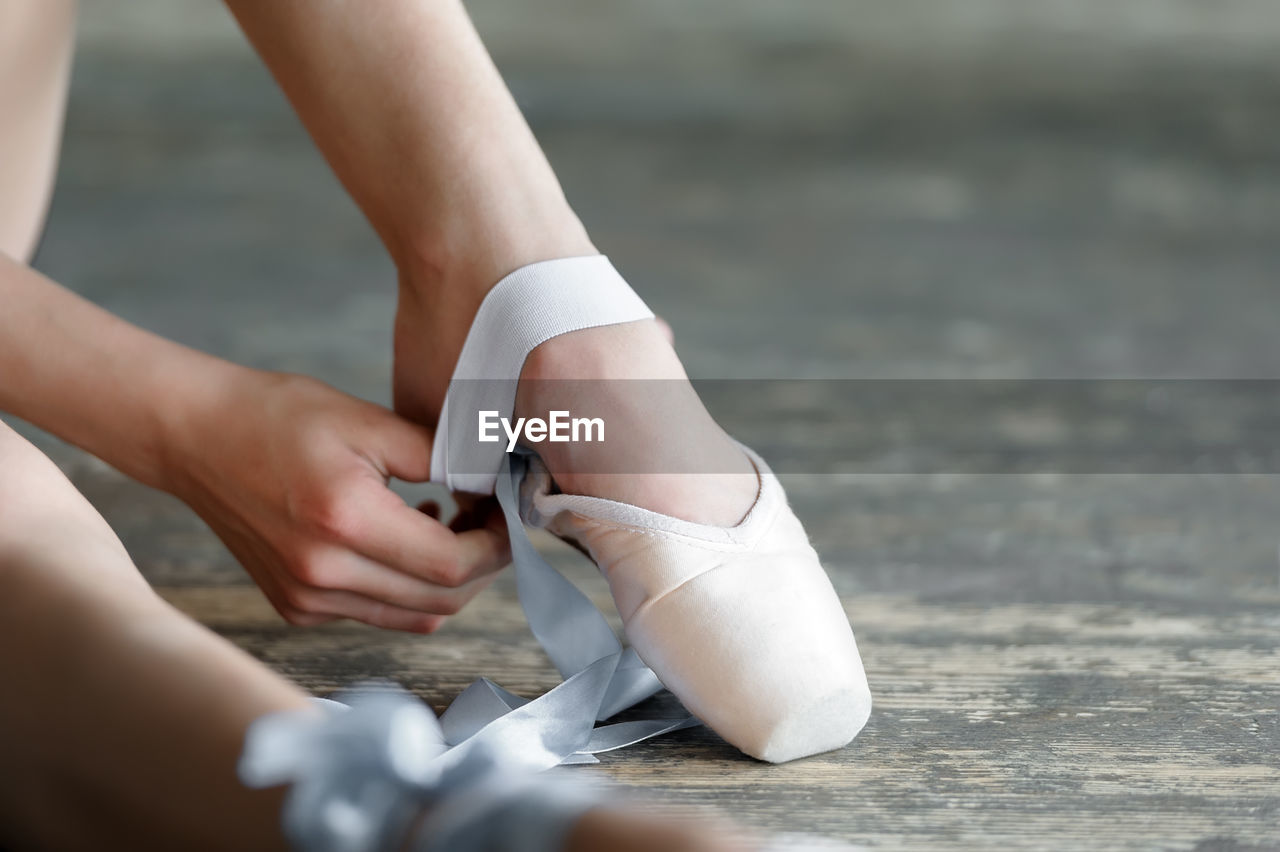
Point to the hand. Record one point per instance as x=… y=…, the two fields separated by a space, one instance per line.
x=292 y=476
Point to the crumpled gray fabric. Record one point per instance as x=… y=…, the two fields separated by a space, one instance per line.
x=601 y=677
x=361 y=777
x=375 y=774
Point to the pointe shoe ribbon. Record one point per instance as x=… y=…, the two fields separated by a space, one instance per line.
x=375 y=773
x=601 y=677
x=559 y=727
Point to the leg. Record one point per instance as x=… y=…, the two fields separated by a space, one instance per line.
x=417 y=123
x=130 y=717
x=120 y=709
x=36 y=41
x=470 y=199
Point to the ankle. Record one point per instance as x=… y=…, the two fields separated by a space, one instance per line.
x=452 y=270
x=442 y=283
x=632 y=350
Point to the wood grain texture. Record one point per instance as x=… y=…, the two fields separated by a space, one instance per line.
x=1013 y=724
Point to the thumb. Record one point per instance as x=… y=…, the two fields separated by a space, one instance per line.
x=405 y=448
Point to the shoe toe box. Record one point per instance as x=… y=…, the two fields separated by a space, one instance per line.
x=760 y=649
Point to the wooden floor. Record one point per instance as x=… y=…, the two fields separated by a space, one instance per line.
x=1075 y=651
x=1068 y=674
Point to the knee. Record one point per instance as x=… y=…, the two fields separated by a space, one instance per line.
x=14 y=450
x=36 y=495
x=37 y=38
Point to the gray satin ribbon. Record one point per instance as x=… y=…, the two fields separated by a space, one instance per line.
x=601 y=677
x=376 y=775
x=360 y=775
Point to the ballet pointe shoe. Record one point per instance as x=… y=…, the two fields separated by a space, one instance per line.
x=741 y=623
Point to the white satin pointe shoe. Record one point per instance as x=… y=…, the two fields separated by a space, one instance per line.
x=741 y=623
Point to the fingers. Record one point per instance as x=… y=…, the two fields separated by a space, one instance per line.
x=405 y=449
x=414 y=541
x=481 y=529
x=333 y=583
x=400 y=568
x=375 y=559
x=260 y=562
x=324 y=605
x=378 y=525
x=339 y=570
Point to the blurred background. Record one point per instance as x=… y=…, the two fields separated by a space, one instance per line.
x=1019 y=189
x=816 y=188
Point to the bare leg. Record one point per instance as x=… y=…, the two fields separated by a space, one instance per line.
x=125 y=718
x=36 y=41
x=414 y=117
x=416 y=121
x=122 y=712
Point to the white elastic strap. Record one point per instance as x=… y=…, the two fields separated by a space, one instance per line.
x=527 y=308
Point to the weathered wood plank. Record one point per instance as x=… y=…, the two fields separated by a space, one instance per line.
x=1024 y=725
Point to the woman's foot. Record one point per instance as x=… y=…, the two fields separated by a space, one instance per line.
x=719 y=590
x=662 y=450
